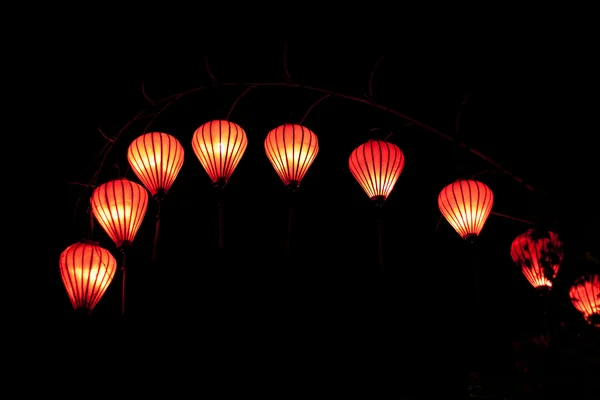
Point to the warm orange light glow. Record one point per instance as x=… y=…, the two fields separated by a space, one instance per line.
x=466 y=205
x=156 y=159
x=86 y=270
x=585 y=296
x=219 y=145
x=291 y=149
x=120 y=206
x=539 y=255
x=377 y=165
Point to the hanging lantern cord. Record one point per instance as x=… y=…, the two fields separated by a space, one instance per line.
x=159 y=196
x=220 y=188
x=471 y=239
x=379 y=203
x=291 y=187
x=123 y=250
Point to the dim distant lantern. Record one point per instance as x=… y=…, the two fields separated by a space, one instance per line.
x=466 y=205
x=377 y=165
x=86 y=270
x=156 y=159
x=585 y=296
x=120 y=206
x=219 y=146
x=539 y=255
x=291 y=149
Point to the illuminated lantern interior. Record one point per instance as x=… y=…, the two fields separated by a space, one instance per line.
x=377 y=165
x=585 y=296
x=86 y=270
x=156 y=159
x=119 y=206
x=466 y=205
x=219 y=146
x=291 y=149
x=539 y=255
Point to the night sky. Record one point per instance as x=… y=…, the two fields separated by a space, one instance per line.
x=520 y=106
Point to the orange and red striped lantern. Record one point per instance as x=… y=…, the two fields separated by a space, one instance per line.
x=539 y=255
x=585 y=296
x=291 y=149
x=466 y=205
x=119 y=206
x=377 y=165
x=156 y=159
x=86 y=270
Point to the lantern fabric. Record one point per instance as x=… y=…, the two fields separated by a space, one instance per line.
x=219 y=146
x=156 y=159
x=585 y=296
x=86 y=270
x=466 y=205
x=377 y=165
x=539 y=255
x=119 y=206
x=291 y=149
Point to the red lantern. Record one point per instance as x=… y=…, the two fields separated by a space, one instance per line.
x=585 y=296
x=120 y=206
x=291 y=149
x=219 y=146
x=86 y=270
x=377 y=165
x=539 y=255
x=156 y=159
x=466 y=205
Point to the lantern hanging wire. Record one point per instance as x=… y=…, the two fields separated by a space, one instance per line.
x=376 y=165
x=219 y=146
x=156 y=159
x=291 y=150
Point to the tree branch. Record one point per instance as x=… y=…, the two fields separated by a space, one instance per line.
x=313 y=106
x=286 y=73
x=238 y=99
x=167 y=101
x=146 y=95
x=212 y=77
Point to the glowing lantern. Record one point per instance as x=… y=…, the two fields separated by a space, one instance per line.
x=120 y=206
x=539 y=255
x=377 y=165
x=466 y=205
x=219 y=146
x=156 y=159
x=86 y=270
x=291 y=149
x=585 y=296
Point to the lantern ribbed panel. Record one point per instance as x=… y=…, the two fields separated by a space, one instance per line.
x=466 y=205
x=377 y=165
x=119 y=206
x=156 y=159
x=86 y=270
x=291 y=149
x=585 y=296
x=538 y=255
x=219 y=146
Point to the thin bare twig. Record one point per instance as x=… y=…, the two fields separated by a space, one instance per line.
x=80 y=184
x=238 y=99
x=146 y=95
x=373 y=74
x=286 y=73
x=461 y=107
x=104 y=135
x=212 y=77
x=313 y=106
x=388 y=136
x=512 y=218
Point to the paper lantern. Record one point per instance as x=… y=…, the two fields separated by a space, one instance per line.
x=219 y=146
x=539 y=255
x=585 y=296
x=156 y=159
x=119 y=206
x=466 y=205
x=86 y=270
x=291 y=149
x=377 y=165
